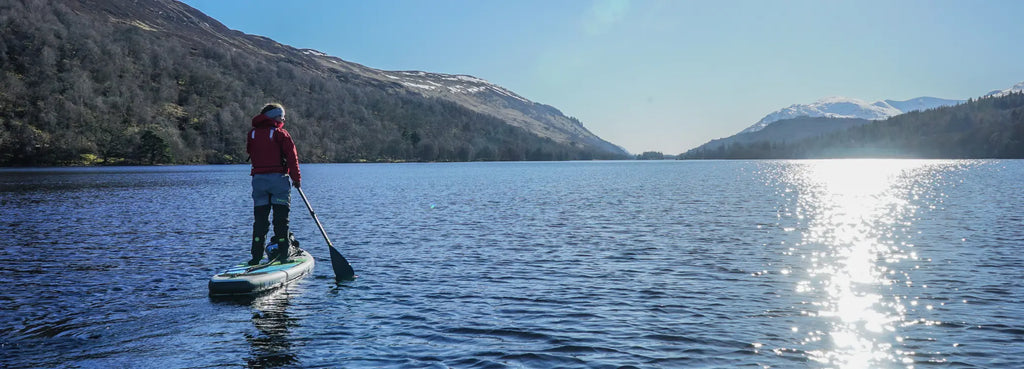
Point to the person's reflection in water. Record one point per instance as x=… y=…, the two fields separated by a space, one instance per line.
x=271 y=347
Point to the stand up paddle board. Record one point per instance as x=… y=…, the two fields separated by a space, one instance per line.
x=243 y=279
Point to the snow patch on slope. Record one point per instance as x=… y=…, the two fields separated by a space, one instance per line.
x=314 y=52
x=455 y=84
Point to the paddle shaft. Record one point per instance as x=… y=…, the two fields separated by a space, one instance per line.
x=342 y=269
x=315 y=219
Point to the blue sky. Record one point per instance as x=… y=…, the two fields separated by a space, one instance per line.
x=665 y=75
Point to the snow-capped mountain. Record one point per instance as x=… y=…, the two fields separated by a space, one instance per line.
x=845 y=107
x=1016 y=88
x=830 y=114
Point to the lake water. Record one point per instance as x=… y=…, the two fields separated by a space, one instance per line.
x=759 y=264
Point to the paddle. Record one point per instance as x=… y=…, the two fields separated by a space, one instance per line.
x=342 y=269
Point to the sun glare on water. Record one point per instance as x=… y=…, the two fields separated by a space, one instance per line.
x=852 y=209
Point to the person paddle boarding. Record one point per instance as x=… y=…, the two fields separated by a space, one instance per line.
x=274 y=160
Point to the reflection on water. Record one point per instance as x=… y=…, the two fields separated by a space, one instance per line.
x=853 y=255
x=674 y=264
x=271 y=346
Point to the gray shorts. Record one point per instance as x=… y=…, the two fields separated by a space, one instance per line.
x=271 y=189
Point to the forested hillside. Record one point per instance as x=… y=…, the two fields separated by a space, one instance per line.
x=781 y=131
x=991 y=127
x=151 y=81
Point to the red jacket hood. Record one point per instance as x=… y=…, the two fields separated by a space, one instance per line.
x=263 y=121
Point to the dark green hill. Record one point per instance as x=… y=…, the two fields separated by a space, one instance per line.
x=991 y=127
x=152 y=81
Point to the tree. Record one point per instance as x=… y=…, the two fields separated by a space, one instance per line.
x=153 y=149
x=651 y=155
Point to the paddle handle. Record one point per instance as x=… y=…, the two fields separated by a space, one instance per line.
x=315 y=219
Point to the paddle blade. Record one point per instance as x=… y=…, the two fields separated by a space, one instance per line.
x=342 y=269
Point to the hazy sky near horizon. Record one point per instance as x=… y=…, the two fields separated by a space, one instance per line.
x=665 y=75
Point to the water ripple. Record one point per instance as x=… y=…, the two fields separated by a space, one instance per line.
x=514 y=265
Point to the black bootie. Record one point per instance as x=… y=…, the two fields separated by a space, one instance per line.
x=283 y=250
x=257 y=251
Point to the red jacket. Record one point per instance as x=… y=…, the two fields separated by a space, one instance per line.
x=271 y=148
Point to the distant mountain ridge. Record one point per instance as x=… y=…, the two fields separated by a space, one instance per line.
x=845 y=107
x=999 y=93
x=989 y=127
x=828 y=115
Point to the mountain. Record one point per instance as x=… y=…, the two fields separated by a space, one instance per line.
x=998 y=93
x=844 y=107
x=156 y=81
x=479 y=95
x=920 y=104
x=988 y=127
x=779 y=132
x=836 y=114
